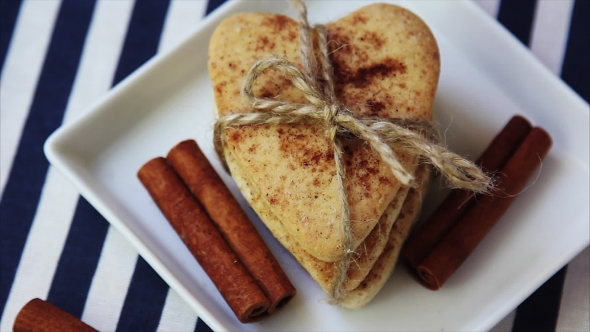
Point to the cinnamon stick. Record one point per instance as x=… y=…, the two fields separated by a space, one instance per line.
x=41 y=316
x=464 y=237
x=204 y=241
x=225 y=212
x=457 y=203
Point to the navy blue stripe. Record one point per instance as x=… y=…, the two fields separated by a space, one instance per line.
x=540 y=311
x=78 y=260
x=8 y=13
x=27 y=176
x=143 y=36
x=576 y=67
x=202 y=327
x=85 y=240
x=212 y=5
x=517 y=16
x=145 y=300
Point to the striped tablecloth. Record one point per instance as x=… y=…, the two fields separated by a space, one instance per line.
x=57 y=57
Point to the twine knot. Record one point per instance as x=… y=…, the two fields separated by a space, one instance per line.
x=330 y=113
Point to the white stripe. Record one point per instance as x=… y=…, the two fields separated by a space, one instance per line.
x=550 y=31
x=43 y=247
x=177 y=315
x=22 y=68
x=111 y=281
x=181 y=19
x=58 y=199
x=490 y=6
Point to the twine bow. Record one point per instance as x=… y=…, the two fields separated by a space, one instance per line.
x=324 y=109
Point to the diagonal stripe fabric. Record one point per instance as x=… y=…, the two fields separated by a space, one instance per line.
x=58 y=57
x=143 y=36
x=540 y=311
x=213 y=4
x=202 y=327
x=23 y=64
x=146 y=295
x=87 y=232
x=550 y=32
x=21 y=195
x=576 y=67
x=517 y=16
x=8 y=14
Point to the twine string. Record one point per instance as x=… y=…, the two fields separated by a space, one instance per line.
x=322 y=108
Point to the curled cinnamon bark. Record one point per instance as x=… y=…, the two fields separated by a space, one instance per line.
x=226 y=213
x=464 y=237
x=42 y=316
x=457 y=203
x=204 y=241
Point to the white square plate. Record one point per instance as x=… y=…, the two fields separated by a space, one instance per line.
x=487 y=76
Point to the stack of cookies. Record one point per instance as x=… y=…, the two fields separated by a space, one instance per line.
x=386 y=64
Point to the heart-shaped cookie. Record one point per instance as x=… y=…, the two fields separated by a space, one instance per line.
x=386 y=64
